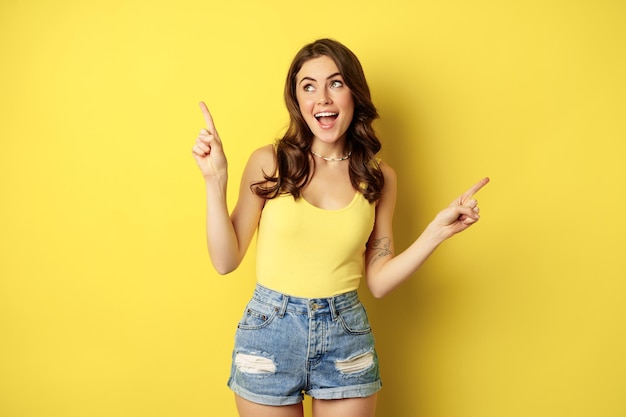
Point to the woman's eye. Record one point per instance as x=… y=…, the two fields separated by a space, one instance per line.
x=308 y=88
x=335 y=84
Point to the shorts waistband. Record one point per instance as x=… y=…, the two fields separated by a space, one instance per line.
x=310 y=306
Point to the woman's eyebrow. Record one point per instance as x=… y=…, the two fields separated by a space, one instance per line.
x=314 y=80
x=307 y=79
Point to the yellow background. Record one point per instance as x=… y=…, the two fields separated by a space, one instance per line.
x=108 y=303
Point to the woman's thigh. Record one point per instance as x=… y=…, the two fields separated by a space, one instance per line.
x=349 y=407
x=249 y=409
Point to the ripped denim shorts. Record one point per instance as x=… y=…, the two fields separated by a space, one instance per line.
x=286 y=347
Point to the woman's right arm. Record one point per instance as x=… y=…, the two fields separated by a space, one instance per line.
x=228 y=236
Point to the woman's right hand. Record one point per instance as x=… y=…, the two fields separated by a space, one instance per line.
x=208 y=151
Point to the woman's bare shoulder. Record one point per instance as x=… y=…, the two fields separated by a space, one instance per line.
x=388 y=172
x=265 y=153
x=262 y=161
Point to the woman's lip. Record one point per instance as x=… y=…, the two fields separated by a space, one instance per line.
x=326 y=125
x=329 y=116
x=326 y=113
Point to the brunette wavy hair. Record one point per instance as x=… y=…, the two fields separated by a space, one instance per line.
x=293 y=161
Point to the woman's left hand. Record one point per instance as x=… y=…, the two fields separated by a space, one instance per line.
x=460 y=214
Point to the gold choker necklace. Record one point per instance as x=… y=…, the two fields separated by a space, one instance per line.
x=326 y=158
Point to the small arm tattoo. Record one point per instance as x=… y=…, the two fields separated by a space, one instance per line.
x=379 y=249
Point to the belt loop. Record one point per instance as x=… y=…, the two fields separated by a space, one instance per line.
x=283 y=307
x=333 y=311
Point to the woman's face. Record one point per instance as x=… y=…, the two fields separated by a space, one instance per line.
x=324 y=99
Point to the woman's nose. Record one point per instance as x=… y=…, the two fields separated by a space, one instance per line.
x=324 y=98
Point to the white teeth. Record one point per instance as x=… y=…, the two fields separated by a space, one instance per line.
x=325 y=114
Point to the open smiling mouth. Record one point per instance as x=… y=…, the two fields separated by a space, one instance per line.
x=326 y=118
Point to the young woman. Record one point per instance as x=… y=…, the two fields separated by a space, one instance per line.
x=323 y=206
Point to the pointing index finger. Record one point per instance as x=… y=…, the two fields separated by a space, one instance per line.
x=476 y=187
x=207 y=118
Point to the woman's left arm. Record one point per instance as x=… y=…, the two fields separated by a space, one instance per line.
x=383 y=269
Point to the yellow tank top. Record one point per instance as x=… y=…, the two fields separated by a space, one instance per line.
x=309 y=252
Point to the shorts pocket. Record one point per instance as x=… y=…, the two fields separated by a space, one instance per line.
x=354 y=320
x=257 y=315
